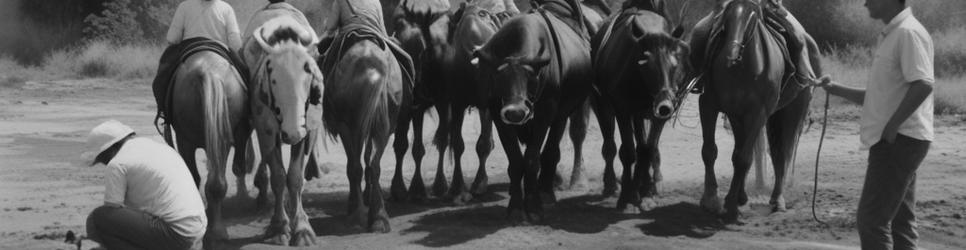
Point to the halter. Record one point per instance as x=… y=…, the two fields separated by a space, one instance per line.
x=755 y=20
x=263 y=71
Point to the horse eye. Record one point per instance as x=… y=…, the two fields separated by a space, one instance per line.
x=306 y=68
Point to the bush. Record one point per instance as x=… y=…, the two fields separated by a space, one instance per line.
x=127 y=22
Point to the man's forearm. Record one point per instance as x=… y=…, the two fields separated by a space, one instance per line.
x=855 y=95
x=914 y=97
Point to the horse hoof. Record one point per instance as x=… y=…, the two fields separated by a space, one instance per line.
x=648 y=204
x=535 y=217
x=609 y=191
x=304 y=238
x=213 y=240
x=398 y=191
x=778 y=205
x=357 y=219
x=548 y=198
x=380 y=225
x=440 y=187
x=462 y=197
x=281 y=239
x=479 y=186
x=516 y=215
x=712 y=204
x=732 y=218
x=417 y=193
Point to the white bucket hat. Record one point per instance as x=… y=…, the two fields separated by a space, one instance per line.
x=102 y=137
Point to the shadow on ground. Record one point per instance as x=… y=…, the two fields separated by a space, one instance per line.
x=681 y=219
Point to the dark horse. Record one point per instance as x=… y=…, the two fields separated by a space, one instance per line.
x=210 y=111
x=745 y=72
x=422 y=33
x=367 y=93
x=640 y=67
x=539 y=68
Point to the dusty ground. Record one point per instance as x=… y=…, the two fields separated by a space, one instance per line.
x=43 y=193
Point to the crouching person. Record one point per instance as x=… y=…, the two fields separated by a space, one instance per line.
x=150 y=200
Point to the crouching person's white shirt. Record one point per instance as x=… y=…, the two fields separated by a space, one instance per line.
x=151 y=177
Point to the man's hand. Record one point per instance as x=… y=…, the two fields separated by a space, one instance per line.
x=825 y=82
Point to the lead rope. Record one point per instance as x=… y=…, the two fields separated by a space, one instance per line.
x=818 y=153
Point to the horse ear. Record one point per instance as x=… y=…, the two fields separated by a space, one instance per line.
x=637 y=33
x=678 y=32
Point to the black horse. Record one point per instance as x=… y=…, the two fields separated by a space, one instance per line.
x=640 y=67
x=539 y=68
x=422 y=32
x=747 y=74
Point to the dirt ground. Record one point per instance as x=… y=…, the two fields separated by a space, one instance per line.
x=44 y=192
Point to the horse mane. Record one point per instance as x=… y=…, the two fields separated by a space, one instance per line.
x=283 y=34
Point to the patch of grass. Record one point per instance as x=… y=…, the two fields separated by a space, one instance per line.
x=950 y=96
x=850 y=66
x=90 y=60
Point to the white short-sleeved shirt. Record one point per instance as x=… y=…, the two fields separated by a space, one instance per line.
x=213 y=19
x=151 y=177
x=904 y=55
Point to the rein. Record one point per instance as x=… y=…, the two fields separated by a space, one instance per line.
x=818 y=153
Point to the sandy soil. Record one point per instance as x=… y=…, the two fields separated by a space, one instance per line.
x=44 y=192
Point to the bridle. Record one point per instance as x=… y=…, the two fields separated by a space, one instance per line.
x=747 y=36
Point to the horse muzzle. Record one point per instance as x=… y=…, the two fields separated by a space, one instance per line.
x=664 y=109
x=515 y=114
x=293 y=136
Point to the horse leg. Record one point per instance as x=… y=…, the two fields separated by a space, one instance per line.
x=356 y=207
x=578 y=132
x=397 y=190
x=278 y=229
x=417 y=188
x=261 y=182
x=442 y=135
x=649 y=188
x=458 y=190
x=605 y=119
x=548 y=162
x=784 y=130
x=510 y=141
x=760 y=163
x=187 y=151
x=746 y=129
x=709 y=153
x=302 y=233
x=642 y=172
x=629 y=192
x=378 y=218
x=533 y=205
x=484 y=145
x=241 y=160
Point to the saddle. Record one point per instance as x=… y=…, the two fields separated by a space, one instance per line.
x=358 y=30
x=773 y=24
x=172 y=57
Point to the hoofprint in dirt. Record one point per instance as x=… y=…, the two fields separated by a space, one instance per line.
x=44 y=192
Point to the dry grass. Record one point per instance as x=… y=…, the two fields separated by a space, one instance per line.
x=850 y=66
x=91 y=60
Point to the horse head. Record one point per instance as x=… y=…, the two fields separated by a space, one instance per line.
x=288 y=79
x=514 y=75
x=474 y=25
x=660 y=59
x=739 y=20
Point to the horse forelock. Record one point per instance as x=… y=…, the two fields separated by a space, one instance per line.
x=283 y=34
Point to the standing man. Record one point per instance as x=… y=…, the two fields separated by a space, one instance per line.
x=150 y=200
x=896 y=126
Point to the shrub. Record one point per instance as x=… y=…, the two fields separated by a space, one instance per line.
x=126 y=22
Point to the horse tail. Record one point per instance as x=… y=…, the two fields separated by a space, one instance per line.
x=375 y=112
x=218 y=135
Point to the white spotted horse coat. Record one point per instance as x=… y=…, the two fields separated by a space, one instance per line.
x=286 y=108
